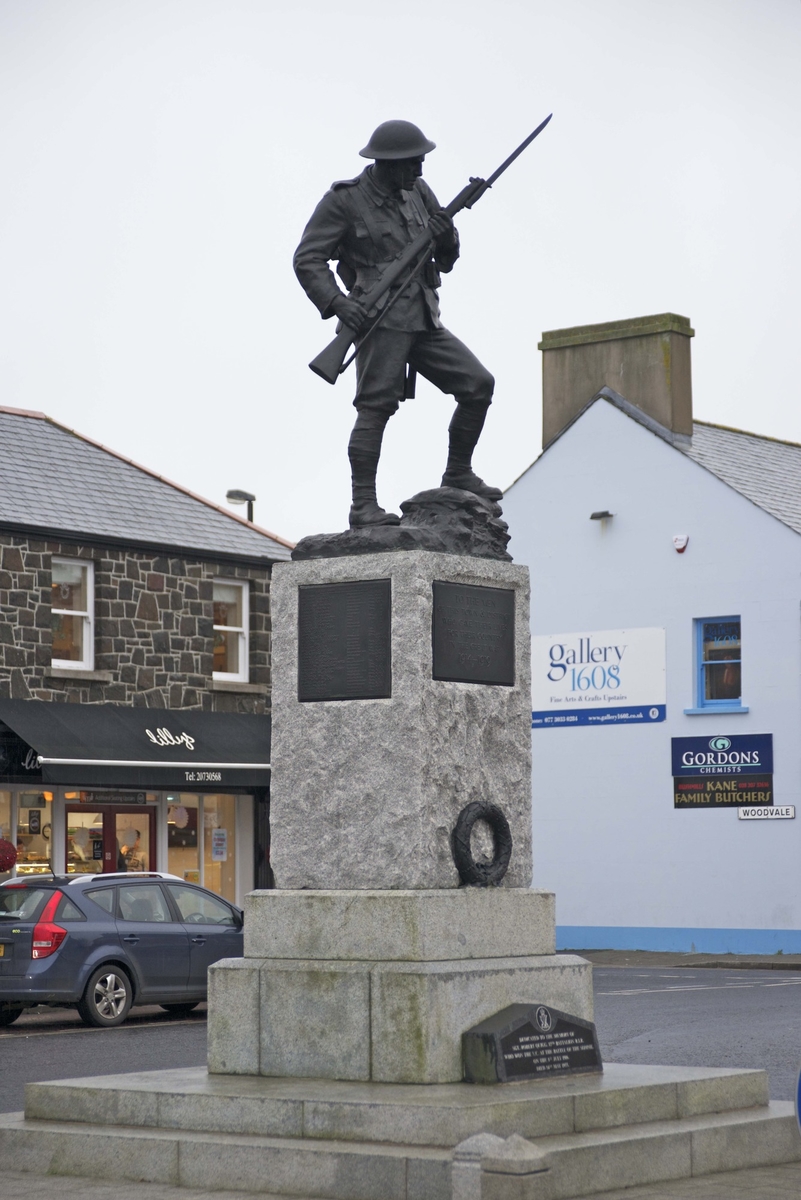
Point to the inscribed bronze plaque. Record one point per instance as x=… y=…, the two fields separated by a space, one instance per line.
x=344 y=648
x=474 y=634
x=529 y=1041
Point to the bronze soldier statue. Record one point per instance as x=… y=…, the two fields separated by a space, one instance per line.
x=365 y=223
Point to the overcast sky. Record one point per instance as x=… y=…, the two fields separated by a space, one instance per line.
x=161 y=157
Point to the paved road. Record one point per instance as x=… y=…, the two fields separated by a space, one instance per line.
x=57 y=1045
x=684 y=1017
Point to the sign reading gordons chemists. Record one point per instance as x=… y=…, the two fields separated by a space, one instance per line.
x=608 y=677
x=722 y=771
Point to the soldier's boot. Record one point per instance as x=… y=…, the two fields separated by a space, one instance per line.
x=364 y=450
x=463 y=432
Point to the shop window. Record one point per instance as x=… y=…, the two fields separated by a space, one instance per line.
x=219 y=845
x=230 y=630
x=84 y=843
x=5 y=825
x=719 y=663
x=34 y=828
x=182 y=837
x=72 y=614
x=201 y=841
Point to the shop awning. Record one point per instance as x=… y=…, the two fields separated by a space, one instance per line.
x=91 y=745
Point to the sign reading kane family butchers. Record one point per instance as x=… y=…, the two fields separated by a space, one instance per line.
x=609 y=677
x=723 y=771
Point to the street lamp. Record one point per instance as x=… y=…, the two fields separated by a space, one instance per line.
x=237 y=496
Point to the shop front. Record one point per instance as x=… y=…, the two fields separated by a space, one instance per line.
x=102 y=788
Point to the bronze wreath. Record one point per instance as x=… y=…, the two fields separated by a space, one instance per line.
x=481 y=874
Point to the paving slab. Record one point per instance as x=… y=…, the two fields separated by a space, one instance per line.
x=758 y=1183
x=18 y=1185
x=761 y=1183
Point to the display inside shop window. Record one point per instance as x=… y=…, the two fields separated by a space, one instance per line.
x=182 y=837
x=219 y=845
x=721 y=663
x=84 y=843
x=34 y=833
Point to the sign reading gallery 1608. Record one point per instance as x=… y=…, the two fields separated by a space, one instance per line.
x=607 y=677
x=722 y=771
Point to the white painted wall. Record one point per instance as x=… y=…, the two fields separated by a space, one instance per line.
x=607 y=839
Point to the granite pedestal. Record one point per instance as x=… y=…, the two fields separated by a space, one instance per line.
x=395 y=706
x=365 y=792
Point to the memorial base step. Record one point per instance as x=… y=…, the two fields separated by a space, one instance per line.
x=324 y=1140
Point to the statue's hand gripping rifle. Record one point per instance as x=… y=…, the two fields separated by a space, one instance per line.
x=331 y=362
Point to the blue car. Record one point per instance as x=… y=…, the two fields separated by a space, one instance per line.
x=106 y=942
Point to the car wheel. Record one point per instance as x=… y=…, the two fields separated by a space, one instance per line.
x=9 y=1012
x=177 y=1010
x=107 y=998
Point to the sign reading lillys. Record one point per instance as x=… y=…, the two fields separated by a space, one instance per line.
x=723 y=771
x=609 y=677
x=163 y=737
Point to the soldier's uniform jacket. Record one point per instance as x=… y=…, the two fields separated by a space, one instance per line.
x=365 y=228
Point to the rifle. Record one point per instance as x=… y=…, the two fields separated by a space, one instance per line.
x=331 y=362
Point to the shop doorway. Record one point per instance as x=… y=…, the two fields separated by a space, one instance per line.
x=107 y=838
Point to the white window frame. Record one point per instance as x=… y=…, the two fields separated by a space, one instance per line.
x=88 y=661
x=243 y=674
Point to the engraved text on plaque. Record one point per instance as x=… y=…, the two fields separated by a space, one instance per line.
x=344 y=650
x=474 y=634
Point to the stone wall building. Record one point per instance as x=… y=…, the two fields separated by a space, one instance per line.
x=120 y=590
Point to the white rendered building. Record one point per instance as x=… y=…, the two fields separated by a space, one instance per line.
x=634 y=520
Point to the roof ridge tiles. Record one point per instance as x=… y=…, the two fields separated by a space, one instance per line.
x=24 y=412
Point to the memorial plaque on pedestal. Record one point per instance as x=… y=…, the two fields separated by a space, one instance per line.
x=473 y=634
x=344 y=641
x=529 y=1041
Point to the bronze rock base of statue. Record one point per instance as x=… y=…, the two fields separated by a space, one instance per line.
x=446 y=520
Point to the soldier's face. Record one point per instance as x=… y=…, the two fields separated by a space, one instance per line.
x=400 y=173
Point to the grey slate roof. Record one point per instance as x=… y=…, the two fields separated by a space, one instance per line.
x=59 y=483
x=763 y=469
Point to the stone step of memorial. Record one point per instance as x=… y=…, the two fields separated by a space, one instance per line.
x=411 y=1114
x=325 y=1140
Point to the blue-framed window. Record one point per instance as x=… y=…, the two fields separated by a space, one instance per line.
x=718 y=656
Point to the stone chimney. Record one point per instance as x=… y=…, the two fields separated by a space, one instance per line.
x=645 y=360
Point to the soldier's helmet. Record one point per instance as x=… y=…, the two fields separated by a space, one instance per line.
x=397 y=139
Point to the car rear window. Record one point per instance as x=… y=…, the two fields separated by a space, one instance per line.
x=67 y=911
x=22 y=904
x=103 y=897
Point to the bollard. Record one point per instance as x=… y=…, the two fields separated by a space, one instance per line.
x=466 y=1168
x=517 y=1170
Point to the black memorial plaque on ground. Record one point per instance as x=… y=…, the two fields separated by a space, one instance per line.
x=473 y=634
x=529 y=1041
x=344 y=649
